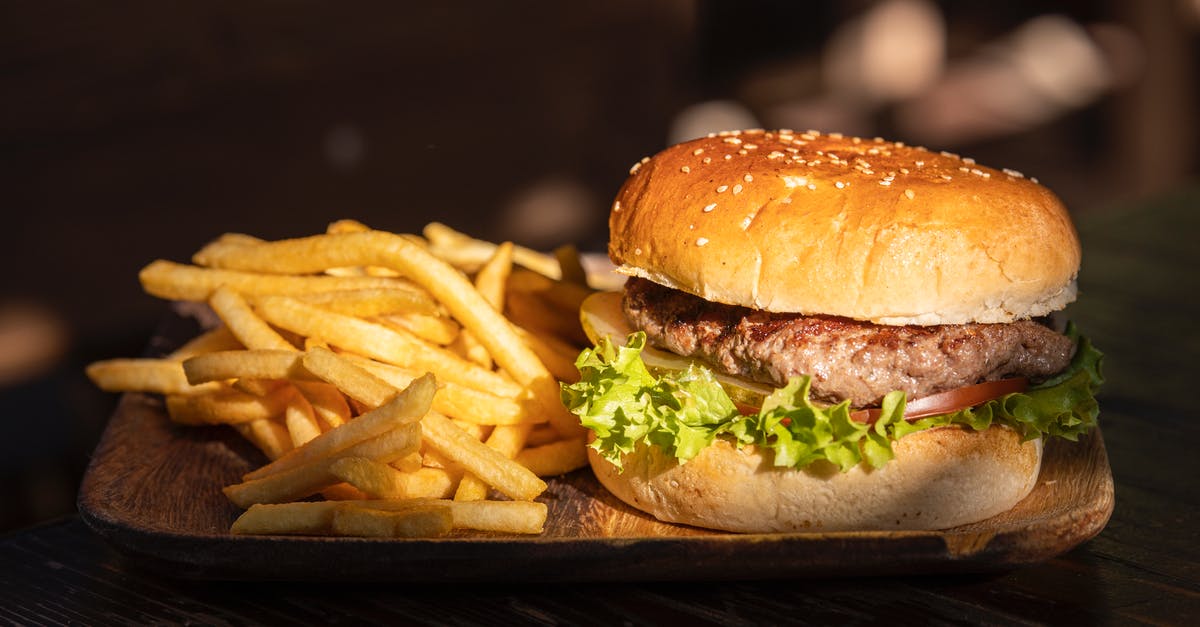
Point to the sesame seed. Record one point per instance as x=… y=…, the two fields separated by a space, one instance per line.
x=1033 y=179
x=722 y=188
x=1013 y=173
x=794 y=181
x=617 y=206
x=968 y=161
x=728 y=157
x=904 y=170
x=706 y=160
x=812 y=186
x=746 y=221
x=685 y=169
x=691 y=227
x=835 y=135
x=885 y=182
x=748 y=178
x=920 y=164
x=637 y=166
x=701 y=241
x=743 y=152
x=637 y=251
x=732 y=140
x=710 y=207
x=908 y=193
x=751 y=146
x=697 y=152
x=737 y=189
x=947 y=177
x=839 y=185
x=775 y=154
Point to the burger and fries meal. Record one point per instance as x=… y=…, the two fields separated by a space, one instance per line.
x=818 y=332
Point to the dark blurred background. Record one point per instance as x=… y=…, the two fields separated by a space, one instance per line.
x=140 y=130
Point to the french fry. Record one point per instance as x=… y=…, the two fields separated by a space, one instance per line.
x=498 y=471
x=311 y=476
x=342 y=492
x=469 y=253
x=300 y=420
x=556 y=458
x=161 y=376
x=422 y=521
x=507 y=440
x=542 y=434
x=408 y=463
x=175 y=281
x=570 y=265
x=244 y=324
x=349 y=378
x=434 y=329
x=245 y=364
x=303 y=518
x=456 y=401
x=367 y=303
x=268 y=435
x=558 y=356
x=218 y=339
x=438 y=483
x=227 y=406
x=376 y=479
x=404 y=408
x=257 y=387
x=327 y=402
x=565 y=296
x=530 y=311
x=380 y=342
x=501 y=516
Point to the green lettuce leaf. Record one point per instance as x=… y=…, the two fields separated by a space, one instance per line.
x=682 y=412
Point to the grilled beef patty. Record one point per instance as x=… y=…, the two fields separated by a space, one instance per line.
x=847 y=359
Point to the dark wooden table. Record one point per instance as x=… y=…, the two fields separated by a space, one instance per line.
x=1140 y=296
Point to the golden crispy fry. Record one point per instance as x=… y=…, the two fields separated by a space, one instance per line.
x=346 y=225
x=468 y=253
x=404 y=408
x=477 y=431
x=490 y=281
x=327 y=402
x=375 y=479
x=380 y=342
x=456 y=401
x=558 y=356
x=313 y=475
x=245 y=364
x=352 y=380
x=218 y=339
x=563 y=296
x=555 y=458
x=510 y=478
x=300 y=420
x=227 y=406
x=571 y=265
x=408 y=463
x=418 y=521
x=161 y=376
x=343 y=492
x=528 y=310
x=507 y=440
x=245 y=325
x=501 y=516
x=304 y=518
x=174 y=281
x=435 y=329
x=257 y=387
x=268 y=435
x=367 y=303
x=437 y=483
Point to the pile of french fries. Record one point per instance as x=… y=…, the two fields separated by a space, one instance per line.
x=411 y=381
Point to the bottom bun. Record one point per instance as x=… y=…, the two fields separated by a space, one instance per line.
x=940 y=478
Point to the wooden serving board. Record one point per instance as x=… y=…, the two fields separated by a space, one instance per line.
x=153 y=490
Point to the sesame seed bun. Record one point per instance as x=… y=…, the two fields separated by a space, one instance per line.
x=940 y=478
x=826 y=224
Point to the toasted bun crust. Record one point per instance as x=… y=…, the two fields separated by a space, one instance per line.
x=940 y=478
x=865 y=229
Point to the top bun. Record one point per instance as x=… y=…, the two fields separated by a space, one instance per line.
x=827 y=224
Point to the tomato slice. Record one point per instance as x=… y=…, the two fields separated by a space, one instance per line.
x=951 y=401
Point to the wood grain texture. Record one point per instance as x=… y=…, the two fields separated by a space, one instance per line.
x=154 y=491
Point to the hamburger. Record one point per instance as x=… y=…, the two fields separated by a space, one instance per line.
x=822 y=333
